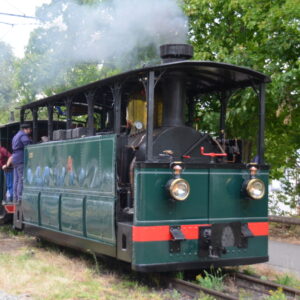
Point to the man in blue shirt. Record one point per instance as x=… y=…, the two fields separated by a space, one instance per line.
x=20 y=140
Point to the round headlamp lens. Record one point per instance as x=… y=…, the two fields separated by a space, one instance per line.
x=256 y=188
x=179 y=189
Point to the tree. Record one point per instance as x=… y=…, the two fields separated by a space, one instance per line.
x=263 y=35
x=8 y=93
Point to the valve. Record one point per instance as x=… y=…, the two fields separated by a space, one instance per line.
x=212 y=154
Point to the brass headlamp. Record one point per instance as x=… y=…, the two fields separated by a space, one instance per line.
x=178 y=188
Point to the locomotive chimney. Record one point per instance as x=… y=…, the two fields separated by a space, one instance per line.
x=176 y=52
x=174 y=90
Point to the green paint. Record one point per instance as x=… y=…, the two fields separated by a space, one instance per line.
x=158 y=252
x=76 y=182
x=153 y=204
x=226 y=199
x=215 y=197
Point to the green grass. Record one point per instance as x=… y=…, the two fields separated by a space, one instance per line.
x=8 y=231
x=276 y=295
x=249 y=271
x=213 y=280
x=289 y=280
x=50 y=272
x=203 y=296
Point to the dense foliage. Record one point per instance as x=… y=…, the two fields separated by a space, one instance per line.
x=263 y=35
x=8 y=92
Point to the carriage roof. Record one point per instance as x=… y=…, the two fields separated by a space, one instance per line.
x=201 y=76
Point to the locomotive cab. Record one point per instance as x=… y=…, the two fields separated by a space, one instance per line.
x=141 y=180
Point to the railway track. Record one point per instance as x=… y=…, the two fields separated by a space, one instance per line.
x=256 y=287
x=263 y=286
x=193 y=290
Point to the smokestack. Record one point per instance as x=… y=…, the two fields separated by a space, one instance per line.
x=174 y=89
x=176 y=52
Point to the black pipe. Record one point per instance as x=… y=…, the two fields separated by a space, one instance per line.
x=174 y=87
x=174 y=95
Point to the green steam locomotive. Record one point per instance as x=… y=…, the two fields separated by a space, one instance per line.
x=130 y=176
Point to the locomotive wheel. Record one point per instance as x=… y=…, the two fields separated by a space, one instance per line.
x=4 y=216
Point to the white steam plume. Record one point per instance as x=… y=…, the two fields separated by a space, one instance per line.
x=111 y=31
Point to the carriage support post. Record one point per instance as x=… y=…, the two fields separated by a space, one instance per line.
x=261 y=133
x=34 y=111
x=68 y=104
x=22 y=116
x=116 y=90
x=50 y=121
x=150 y=115
x=90 y=99
x=224 y=101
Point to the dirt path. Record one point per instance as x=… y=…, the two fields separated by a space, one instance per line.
x=11 y=241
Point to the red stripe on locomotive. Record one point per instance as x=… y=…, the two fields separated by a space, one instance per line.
x=191 y=232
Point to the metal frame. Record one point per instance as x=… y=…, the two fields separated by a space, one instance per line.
x=150 y=115
x=116 y=91
x=90 y=99
x=224 y=101
x=50 y=121
x=68 y=103
x=34 y=112
x=22 y=116
x=261 y=129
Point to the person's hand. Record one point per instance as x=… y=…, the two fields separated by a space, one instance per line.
x=4 y=167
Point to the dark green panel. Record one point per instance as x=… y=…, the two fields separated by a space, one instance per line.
x=158 y=252
x=152 y=201
x=49 y=209
x=82 y=171
x=99 y=223
x=226 y=201
x=30 y=205
x=71 y=214
x=79 y=164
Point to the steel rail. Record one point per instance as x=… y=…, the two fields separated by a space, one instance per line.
x=193 y=289
x=241 y=280
x=260 y=285
x=285 y=220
